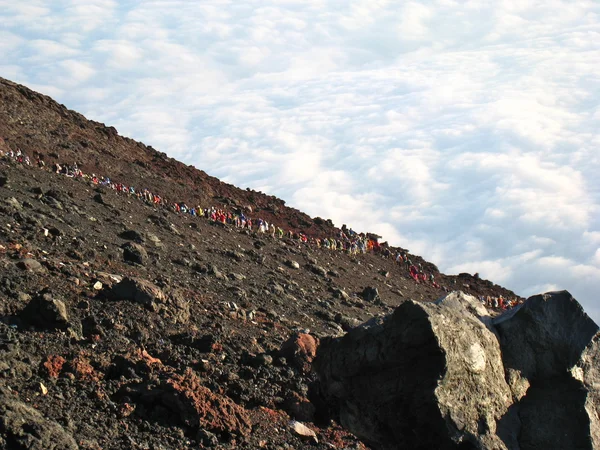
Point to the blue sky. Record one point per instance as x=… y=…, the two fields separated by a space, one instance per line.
x=466 y=131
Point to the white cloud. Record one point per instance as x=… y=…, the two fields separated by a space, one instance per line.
x=464 y=131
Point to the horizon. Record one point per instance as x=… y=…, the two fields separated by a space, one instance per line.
x=465 y=133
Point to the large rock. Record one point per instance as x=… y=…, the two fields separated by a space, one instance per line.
x=428 y=376
x=370 y=294
x=188 y=402
x=22 y=427
x=135 y=253
x=46 y=312
x=460 y=300
x=132 y=235
x=551 y=358
x=139 y=291
x=179 y=306
x=447 y=376
x=300 y=350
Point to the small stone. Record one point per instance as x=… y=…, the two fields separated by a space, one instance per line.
x=46 y=312
x=132 y=235
x=292 y=264
x=370 y=294
x=340 y=293
x=14 y=203
x=23 y=297
x=302 y=430
x=30 y=265
x=135 y=253
x=237 y=276
x=264 y=359
x=43 y=389
x=318 y=270
x=97 y=286
x=139 y=291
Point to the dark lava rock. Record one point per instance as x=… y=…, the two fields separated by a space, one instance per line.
x=22 y=427
x=53 y=202
x=550 y=352
x=30 y=265
x=46 y=312
x=99 y=198
x=299 y=408
x=318 y=270
x=347 y=323
x=179 y=311
x=300 y=350
x=187 y=401
x=133 y=235
x=427 y=376
x=370 y=294
x=135 y=253
x=139 y=291
x=446 y=376
x=292 y=264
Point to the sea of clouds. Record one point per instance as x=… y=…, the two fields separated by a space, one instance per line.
x=465 y=131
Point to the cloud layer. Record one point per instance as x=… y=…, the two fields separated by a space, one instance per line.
x=465 y=131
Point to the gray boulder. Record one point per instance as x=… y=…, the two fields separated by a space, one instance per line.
x=139 y=291
x=550 y=353
x=317 y=270
x=135 y=253
x=460 y=300
x=46 y=312
x=428 y=376
x=370 y=294
x=133 y=235
x=448 y=376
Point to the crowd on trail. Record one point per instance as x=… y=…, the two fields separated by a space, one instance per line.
x=499 y=302
x=347 y=240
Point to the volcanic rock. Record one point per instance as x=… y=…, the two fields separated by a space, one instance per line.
x=133 y=235
x=194 y=405
x=31 y=265
x=551 y=357
x=46 y=312
x=318 y=270
x=461 y=301
x=300 y=349
x=429 y=376
x=139 y=291
x=370 y=294
x=22 y=427
x=135 y=253
x=292 y=264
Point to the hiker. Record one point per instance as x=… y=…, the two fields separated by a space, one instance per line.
x=413 y=272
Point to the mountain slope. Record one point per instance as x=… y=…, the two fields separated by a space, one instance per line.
x=131 y=326
x=38 y=125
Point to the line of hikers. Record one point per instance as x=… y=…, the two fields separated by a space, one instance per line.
x=348 y=240
x=17 y=156
x=499 y=302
